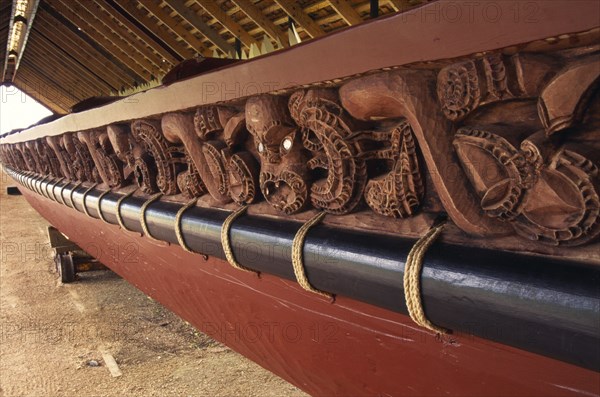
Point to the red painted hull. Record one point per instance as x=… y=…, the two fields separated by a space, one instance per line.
x=346 y=348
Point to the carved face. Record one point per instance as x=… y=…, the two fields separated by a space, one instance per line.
x=283 y=174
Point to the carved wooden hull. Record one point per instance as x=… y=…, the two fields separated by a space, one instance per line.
x=499 y=134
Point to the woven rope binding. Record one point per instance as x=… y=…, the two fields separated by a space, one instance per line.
x=119 y=216
x=298 y=256
x=412 y=279
x=178 y=232
x=143 y=209
x=226 y=242
x=88 y=190
x=100 y=213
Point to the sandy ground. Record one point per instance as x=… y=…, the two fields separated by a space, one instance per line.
x=51 y=333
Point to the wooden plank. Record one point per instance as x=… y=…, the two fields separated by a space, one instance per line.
x=22 y=84
x=196 y=21
x=132 y=27
x=162 y=32
x=47 y=86
x=120 y=31
x=133 y=50
x=261 y=20
x=69 y=32
x=220 y=15
x=122 y=54
x=44 y=49
x=97 y=64
x=386 y=42
x=294 y=10
x=344 y=8
x=404 y=5
x=172 y=24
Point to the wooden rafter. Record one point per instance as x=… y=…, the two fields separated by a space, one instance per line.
x=120 y=32
x=62 y=58
x=403 y=5
x=176 y=27
x=220 y=15
x=163 y=32
x=303 y=20
x=22 y=84
x=346 y=11
x=105 y=34
x=82 y=52
x=261 y=20
x=132 y=27
x=105 y=43
x=46 y=84
x=196 y=21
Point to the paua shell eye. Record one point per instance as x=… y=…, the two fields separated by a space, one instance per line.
x=261 y=147
x=287 y=143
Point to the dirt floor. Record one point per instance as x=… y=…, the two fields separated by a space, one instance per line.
x=53 y=335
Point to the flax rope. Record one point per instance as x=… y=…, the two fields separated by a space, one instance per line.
x=54 y=186
x=100 y=213
x=39 y=189
x=119 y=216
x=71 y=194
x=178 y=233
x=62 y=190
x=85 y=208
x=143 y=209
x=298 y=255
x=226 y=242
x=412 y=279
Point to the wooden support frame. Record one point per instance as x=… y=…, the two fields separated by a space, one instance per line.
x=151 y=42
x=303 y=20
x=196 y=21
x=346 y=11
x=23 y=84
x=179 y=29
x=144 y=72
x=236 y=30
x=261 y=20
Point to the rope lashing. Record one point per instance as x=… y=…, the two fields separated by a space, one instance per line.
x=88 y=190
x=412 y=279
x=178 y=232
x=72 y=205
x=298 y=256
x=54 y=186
x=38 y=189
x=100 y=213
x=119 y=215
x=143 y=209
x=62 y=190
x=226 y=242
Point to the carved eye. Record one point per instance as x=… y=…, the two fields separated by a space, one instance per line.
x=287 y=144
x=261 y=147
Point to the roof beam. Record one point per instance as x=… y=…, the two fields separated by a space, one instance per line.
x=196 y=21
x=260 y=19
x=220 y=15
x=172 y=24
x=20 y=24
x=121 y=33
x=70 y=32
x=303 y=20
x=403 y=5
x=122 y=53
x=346 y=11
x=162 y=32
x=82 y=53
x=23 y=84
x=150 y=41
